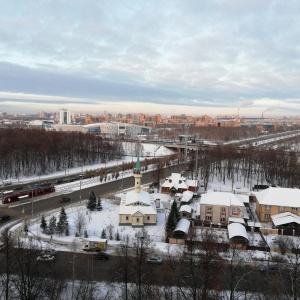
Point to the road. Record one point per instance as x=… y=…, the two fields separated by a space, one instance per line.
x=104 y=190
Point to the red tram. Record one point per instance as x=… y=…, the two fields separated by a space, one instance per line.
x=13 y=197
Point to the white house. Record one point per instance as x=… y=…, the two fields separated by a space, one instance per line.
x=137 y=207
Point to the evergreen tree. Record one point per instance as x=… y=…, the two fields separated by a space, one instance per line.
x=61 y=224
x=92 y=201
x=52 y=225
x=173 y=217
x=67 y=233
x=99 y=206
x=117 y=236
x=103 y=234
x=43 y=224
x=66 y=228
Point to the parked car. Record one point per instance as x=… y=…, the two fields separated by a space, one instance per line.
x=45 y=258
x=59 y=181
x=7 y=182
x=51 y=252
x=101 y=256
x=154 y=260
x=65 y=199
x=269 y=268
x=4 y=218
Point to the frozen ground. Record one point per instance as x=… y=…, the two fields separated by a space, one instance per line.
x=99 y=220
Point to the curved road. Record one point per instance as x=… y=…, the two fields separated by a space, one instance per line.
x=103 y=190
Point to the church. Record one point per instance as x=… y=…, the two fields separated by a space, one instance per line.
x=137 y=207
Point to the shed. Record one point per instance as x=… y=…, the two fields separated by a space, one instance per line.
x=286 y=219
x=237 y=233
x=182 y=227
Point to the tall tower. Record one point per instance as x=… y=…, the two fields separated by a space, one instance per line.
x=137 y=175
x=64 y=117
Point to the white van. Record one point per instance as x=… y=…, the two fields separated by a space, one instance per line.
x=7 y=182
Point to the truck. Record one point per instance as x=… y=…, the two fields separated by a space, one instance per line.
x=95 y=245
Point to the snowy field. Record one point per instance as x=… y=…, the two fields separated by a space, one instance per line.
x=96 y=221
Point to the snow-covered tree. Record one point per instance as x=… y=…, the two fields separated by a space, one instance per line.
x=92 y=201
x=43 y=224
x=52 y=225
x=173 y=217
x=62 y=222
x=118 y=236
x=99 y=206
x=103 y=234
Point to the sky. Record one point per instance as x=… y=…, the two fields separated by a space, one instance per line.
x=174 y=57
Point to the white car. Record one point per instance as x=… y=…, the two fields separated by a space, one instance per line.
x=154 y=260
x=45 y=258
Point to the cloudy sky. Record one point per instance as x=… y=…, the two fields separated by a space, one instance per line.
x=151 y=56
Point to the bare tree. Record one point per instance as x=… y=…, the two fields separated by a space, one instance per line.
x=80 y=222
x=8 y=241
x=123 y=270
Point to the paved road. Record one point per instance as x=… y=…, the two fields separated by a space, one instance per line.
x=104 y=190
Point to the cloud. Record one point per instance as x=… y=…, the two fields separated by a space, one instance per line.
x=187 y=53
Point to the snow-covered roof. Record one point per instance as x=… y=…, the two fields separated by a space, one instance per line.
x=175 y=180
x=192 y=182
x=134 y=197
x=187 y=196
x=132 y=202
x=279 y=197
x=254 y=224
x=243 y=198
x=221 y=198
x=285 y=218
x=236 y=229
x=95 y=239
x=236 y=220
x=183 y=225
x=186 y=208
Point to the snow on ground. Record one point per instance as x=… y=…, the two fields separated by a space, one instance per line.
x=146 y=151
x=99 y=220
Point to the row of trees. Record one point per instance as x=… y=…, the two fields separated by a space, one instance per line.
x=248 y=166
x=200 y=270
x=60 y=227
x=27 y=152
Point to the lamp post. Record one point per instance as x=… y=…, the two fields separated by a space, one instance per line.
x=32 y=203
x=119 y=167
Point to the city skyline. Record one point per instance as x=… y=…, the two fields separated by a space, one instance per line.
x=197 y=57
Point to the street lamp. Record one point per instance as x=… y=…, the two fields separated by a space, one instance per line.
x=122 y=177
x=32 y=203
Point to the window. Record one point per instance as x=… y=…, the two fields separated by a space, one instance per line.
x=268 y=207
x=281 y=208
x=208 y=218
x=137 y=220
x=208 y=208
x=222 y=220
x=235 y=211
x=294 y=209
x=148 y=218
x=267 y=216
x=223 y=209
x=127 y=218
x=184 y=214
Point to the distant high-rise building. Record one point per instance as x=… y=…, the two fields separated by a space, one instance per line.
x=64 y=117
x=41 y=114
